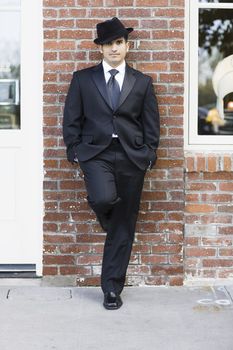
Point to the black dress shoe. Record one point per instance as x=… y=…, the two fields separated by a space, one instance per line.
x=112 y=301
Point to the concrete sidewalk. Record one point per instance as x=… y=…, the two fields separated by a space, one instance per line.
x=158 y=318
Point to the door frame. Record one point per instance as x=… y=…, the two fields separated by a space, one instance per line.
x=31 y=105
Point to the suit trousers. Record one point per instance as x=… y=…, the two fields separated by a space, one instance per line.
x=114 y=185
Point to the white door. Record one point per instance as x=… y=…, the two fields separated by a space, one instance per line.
x=21 y=146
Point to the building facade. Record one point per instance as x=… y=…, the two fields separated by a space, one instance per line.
x=184 y=233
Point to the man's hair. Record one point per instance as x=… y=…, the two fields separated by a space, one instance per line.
x=126 y=36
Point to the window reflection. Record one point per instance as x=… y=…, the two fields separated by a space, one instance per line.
x=215 y=82
x=9 y=64
x=218 y=1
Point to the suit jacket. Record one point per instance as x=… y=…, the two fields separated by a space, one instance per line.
x=89 y=119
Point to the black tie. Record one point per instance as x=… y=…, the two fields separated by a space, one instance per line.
x=114 y=88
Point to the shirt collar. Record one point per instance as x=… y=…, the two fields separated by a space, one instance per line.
x=120 y=68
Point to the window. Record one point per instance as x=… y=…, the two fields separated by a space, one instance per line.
x=9 y=64
x=210 y=80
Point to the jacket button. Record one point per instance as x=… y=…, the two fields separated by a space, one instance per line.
x=114 y=117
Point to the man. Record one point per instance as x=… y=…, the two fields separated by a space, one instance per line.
x=111 y=127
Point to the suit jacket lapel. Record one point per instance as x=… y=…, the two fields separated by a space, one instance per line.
x=128 y=84
x=99 y=79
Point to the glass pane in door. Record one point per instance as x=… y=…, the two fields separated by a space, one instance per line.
x=10 y=64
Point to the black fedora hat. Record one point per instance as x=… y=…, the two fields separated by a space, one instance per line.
x=110 y=30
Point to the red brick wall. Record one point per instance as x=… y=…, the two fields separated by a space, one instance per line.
x=208 y=216
x=73 y=240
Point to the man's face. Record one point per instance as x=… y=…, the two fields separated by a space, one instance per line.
x=115 y=51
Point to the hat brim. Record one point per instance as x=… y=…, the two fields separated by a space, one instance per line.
x=115 y=36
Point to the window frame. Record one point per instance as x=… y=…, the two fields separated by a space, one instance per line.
x=193 y=141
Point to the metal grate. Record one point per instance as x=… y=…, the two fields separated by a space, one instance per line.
x=17 y=270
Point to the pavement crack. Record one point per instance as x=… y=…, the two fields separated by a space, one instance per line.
x=8 y=294
x=229 y=294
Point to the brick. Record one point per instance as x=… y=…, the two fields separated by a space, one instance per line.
x=75 y=34
x=226 y=186
x=176 y=280
x=166 y=249
x=155 y=195
x=50 y=13
x=153 y=259
x=226 y=252
x=59 y=45
x=134 y=12
x=50 y=270
x=227 y=230
x=154 y=24
x=170 y=227
x=104 y=12
x=227 y=163
x=167 y=270
x=218 y=176
x=169 y=163
x=191 y=241
x=63 y=23
x=75 y=270
x=212 y=164
x=167 y=34
x=58 y=260
x=175 y=216
x=177 y=24
x=151 y=67
x=200 y=164
x=150 y=238
x=59 y=3
x=89 y=259
x=175 y=259
x=141 y=249
x=50 y=34
x=217 y=263
x=167 y=206
x=168 y=55
x=175 y=237
x=199 y=252
x=156 y=280
x=216 y=198
x=89 y=238
x=151 y=3
x=177 y=3
x=72 y=12
x=192 y=198
x=168 y=12
x=201 y=186
x=216 y=219
x=199 y=208
x=225 y=208
x=56 y=217
x=152 y=45
x=171 y=77
x=88 y=281
x=226 y=273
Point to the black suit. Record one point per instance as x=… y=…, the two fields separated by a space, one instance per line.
x=113 y=171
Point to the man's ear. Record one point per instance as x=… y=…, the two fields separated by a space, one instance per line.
x=101 y=48
x=127 y=46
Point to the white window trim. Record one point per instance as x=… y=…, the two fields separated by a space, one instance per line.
x=193 y=141
x=32 y=100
